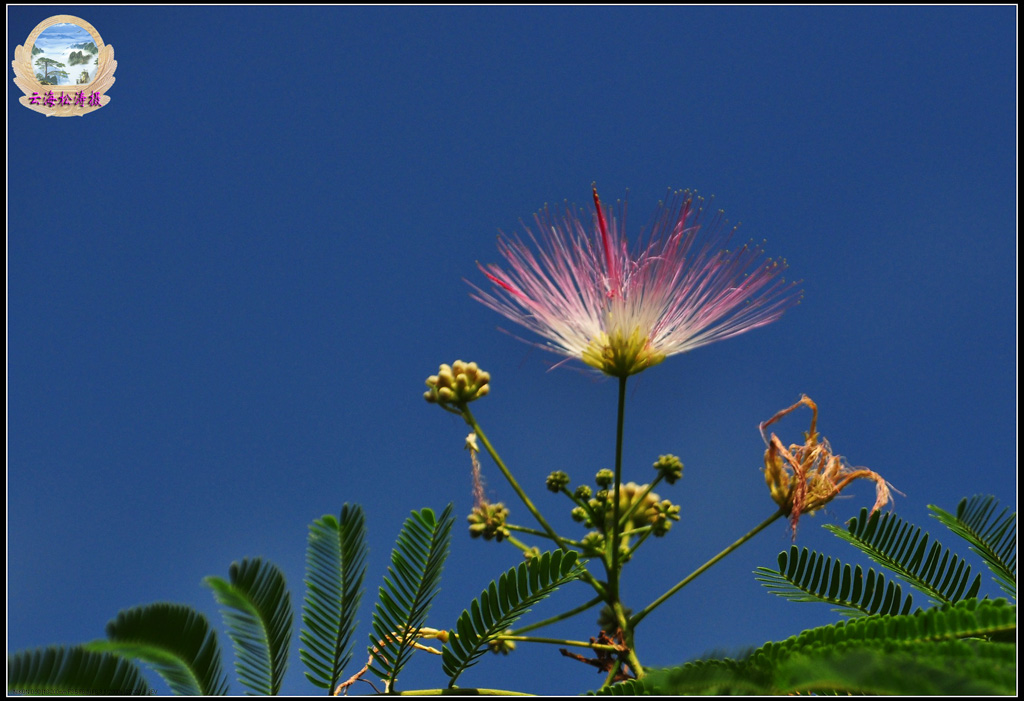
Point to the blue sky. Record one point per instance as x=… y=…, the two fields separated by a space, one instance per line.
x=226 y=287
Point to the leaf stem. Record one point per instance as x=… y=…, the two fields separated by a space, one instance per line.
x=518 y=543
x=558 y=641
x=635 y=619
x=541 y=534
x=560 y=617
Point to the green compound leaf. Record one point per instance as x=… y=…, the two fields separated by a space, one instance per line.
x=994 y=538
x=409 y=589
x=501 y=604
x=335 y=569
x=805 y=575
x=943 y=577
x=258 y=615
x=175 y=640
x=60 y=671
x=937 y=651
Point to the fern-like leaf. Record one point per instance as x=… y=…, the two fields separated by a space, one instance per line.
x=950 y=668
x=805 y=575
x=409 y=589
x=258 y=615
x=335 y=568
x=964 y=619
x=994 y=538
x=174 y=640
x=955 y=667
x=936 y=651
x=501 y=604
x=885 y=538
x=59 y=670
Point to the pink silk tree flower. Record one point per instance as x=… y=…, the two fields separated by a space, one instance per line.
x=621 y=312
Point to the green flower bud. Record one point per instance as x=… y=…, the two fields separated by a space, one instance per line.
x=579 y=514
x=583 y=492
x=604 y=478
x=557 y=481
x=669 y=467
x=593 y=544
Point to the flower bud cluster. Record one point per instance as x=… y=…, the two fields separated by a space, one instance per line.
x=593 y=544
x=488 y=520
x=652 y=510
x=458 y=383
x=669 y=467
x=557 y=481
x=667 y=512
x=596 y=509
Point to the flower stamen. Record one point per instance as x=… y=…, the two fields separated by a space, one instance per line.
x=593 y=300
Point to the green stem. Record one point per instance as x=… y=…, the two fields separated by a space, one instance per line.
x=611 y=675
x=542 y=534
x=634 y=531
x=613 y=573
x=614 y=595
x=560 y=617
x=471 y=420
x=460 y=692
x=696 y=573
x=634 y=663
x=558 y=641
x=582 y=504
x=518 y=543
x=467 y=415
x=640 y=541
x=524 y=529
